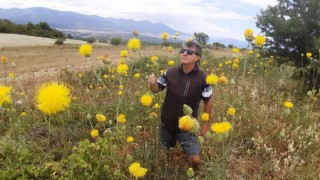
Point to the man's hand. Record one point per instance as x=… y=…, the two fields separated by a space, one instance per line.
x=152 y=79
x=204 y=128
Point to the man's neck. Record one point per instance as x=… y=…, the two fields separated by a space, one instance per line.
x=188 y=68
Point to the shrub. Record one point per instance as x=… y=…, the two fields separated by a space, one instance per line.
x=115 y=41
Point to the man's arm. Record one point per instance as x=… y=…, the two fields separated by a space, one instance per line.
x=153 y=85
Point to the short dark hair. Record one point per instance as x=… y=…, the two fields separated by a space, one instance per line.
x=196 y=45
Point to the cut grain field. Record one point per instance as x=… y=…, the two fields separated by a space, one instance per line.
x=37 y=59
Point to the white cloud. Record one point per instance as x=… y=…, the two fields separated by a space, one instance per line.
x=214 y=17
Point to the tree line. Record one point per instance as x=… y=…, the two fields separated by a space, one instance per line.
x=42 y=29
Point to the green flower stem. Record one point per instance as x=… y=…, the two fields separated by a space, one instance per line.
x=99 y=79
x=5 y=74
x=245 y=60
x=64 y=139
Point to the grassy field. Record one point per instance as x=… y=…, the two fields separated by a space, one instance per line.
x=105 y=128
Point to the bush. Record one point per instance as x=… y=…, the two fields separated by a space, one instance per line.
x=115 y=41
x=59 y=41
x=91 y=40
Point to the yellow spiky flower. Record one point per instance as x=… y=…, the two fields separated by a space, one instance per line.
x=212 y=79
x=134 y=44
x=221 y=127
x=288 y=104
x=123 y=53
x=205 y=117
x=122 y=68
x=101 y=118
x=146 y=100
x=121 y=118
x=248 y=34
x=164 y=36
x=53 y=97
x=136 y=170
x=94 y=133
x=5 y=97
x=231 y=111
x=186 y=123
x=260 y=40
x=85 y=50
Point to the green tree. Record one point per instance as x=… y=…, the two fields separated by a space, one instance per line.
x=201 y=38
x=292 y=28
x=115 y=41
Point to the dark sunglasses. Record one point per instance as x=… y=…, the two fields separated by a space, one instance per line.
x=189 y=51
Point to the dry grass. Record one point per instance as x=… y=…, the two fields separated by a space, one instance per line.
x=37 y=59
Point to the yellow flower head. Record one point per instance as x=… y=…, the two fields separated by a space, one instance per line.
x=260 y=40
x=146 y=100
x=171 y=62
x=12 y=75
x=123 y=53
x=250 y=52
x=137 y=75
x=231 y=111
x=156 y=106
x=53 y=97
x=309 y=55
x=136 y=170
x=205 y=117
x=5 y=97
x=130 y=139
x=164 y=36
x=23 y=114
x=154 y=58
x=288 y=104
x=122 y=69
x=94 y=133
x=223 y=80
x=235 y=50
x=248 y=34
x=186 y=123
x=121 y=118
x=235 y=66
x=134 y=44
x=228 y=62
x=101 y=118
x=236 y=61
x=4 y=60
x=85 y=50
x=170 y=49
x=120 y=93
x=220 y=128
x=212 y=79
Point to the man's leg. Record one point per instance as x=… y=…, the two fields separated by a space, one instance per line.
x=191 y=147
x=195 y=161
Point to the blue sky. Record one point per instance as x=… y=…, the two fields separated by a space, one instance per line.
x=217 y=18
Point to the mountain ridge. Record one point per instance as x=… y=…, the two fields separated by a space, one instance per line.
x=94 y=25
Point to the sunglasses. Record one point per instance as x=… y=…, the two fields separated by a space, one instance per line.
x=189 y=51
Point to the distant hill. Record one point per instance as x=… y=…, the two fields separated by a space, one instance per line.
x=91 y=25
x=71 y=20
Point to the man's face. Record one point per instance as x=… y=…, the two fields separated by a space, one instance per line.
x=189 y=55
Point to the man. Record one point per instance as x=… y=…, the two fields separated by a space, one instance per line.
x=185 y=84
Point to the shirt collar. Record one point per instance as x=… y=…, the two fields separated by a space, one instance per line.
x=195 y=69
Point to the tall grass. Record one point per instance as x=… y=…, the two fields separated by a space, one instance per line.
x=267 y=140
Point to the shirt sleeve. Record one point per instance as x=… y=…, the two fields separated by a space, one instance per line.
x=206 y=92
x=162 y=81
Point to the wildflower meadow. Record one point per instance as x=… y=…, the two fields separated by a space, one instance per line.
x=102 y=122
